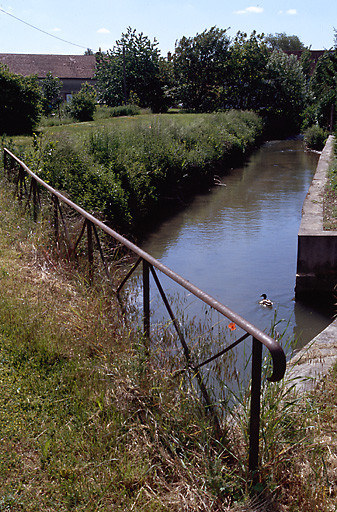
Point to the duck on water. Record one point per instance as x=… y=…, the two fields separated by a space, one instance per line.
x=267 y=303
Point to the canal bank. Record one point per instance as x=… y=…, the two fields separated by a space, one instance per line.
x=316 y=275
x=316 y=279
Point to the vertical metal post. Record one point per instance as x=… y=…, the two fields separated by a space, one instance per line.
x=90 y=251
x=35 y=201
x=56 y=219
x=254 y=428
x=21 y=178
x=146 y=298
x=5 y=163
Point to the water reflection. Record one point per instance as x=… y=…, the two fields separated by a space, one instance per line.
x=240 y=240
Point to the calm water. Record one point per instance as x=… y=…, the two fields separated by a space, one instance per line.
x=240 y=240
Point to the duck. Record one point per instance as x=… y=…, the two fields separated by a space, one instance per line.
x=265 y=302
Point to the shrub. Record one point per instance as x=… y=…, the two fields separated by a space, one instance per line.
x=83 y=103
x=20 y=102
x=125 y=110
x=315 y=137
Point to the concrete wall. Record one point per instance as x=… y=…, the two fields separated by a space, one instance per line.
x=316 y=276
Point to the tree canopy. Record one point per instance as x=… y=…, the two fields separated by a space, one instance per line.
x=20 y=102
x=244 y=83
x=51 y=89
x=200 y=67
x=324 y=89
x=131 y=73
x=281 y=41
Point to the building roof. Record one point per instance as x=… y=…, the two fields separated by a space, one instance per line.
x=61 y=66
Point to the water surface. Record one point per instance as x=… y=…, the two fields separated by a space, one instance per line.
x=239 y=240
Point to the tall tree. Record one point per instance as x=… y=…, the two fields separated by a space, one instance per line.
x=131 y=70
x=51 y=89
x=244 y=83
x=286 y=92
x=324 y=88
x=281 y=41
x=200 y=65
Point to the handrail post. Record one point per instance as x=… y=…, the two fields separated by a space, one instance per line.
x=146 y=298
x=35 y=200
x=56 y=219
x=90 y=251
x=255 y=404
x=5 y=162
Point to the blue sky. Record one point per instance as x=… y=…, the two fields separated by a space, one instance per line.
x=99 y=24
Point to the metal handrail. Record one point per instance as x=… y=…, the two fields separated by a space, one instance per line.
x=259 y=337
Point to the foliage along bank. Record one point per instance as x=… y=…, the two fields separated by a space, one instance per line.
x=128 y=172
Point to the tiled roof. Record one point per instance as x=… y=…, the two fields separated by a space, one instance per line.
x=61 y=66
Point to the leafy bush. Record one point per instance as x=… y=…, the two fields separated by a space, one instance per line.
x=124 y=110
x=315 y=137
x=20 y=102
x=90 y=185
x=83 y=103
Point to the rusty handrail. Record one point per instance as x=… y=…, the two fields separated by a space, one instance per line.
x=272 y=345
x=259 y=337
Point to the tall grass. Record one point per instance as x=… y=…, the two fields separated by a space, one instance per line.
x=93 y=418
x=130 y=171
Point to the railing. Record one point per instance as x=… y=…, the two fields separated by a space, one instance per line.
x=12 y=164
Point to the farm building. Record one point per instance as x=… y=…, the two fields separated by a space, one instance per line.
x=72 y=70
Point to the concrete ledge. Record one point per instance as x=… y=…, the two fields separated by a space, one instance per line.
x=314 y=360
x=317 y=249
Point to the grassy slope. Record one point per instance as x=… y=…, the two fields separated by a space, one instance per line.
x=89 y=422
x=128 y=170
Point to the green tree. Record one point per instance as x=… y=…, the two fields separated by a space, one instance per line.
x=200 y=66
x=286 y=93
x=20 y=102
x=131 y=70
x=244 y=83
x=51 y=89
x=83 y=103
x=324 y=89
x=281 y=41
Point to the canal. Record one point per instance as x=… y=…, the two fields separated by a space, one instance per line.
x=239 y=240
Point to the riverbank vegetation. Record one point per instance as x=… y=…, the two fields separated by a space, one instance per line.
x=330 y=197
x=93 y=418
x=128 y=170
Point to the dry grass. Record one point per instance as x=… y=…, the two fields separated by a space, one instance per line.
x=330 y=209
x=87 y=422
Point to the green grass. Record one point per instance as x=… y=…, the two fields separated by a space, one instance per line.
x=92 y=418
x=129 y=169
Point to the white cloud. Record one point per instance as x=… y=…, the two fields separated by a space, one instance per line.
x=250 y=10
x=290 y=12
x=103 y=31
x=56 y=29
